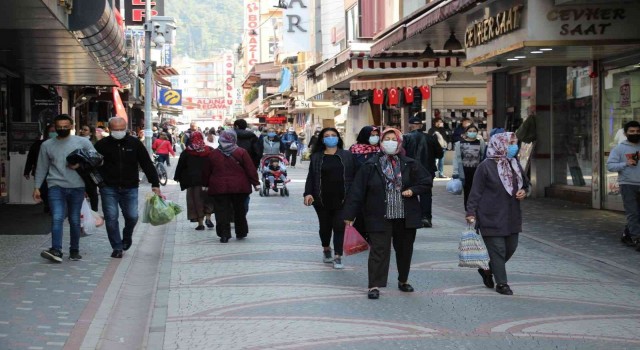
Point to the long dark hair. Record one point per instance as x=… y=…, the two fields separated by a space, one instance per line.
x=320 y=147
x=365 y=133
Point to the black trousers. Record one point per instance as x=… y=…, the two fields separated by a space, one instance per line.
x=92 y=191
x=227 y=206
x=380 y=252
x=331 y=221
x=426 y=204
x=468 y=183
x=291 y=156
x=500 y=250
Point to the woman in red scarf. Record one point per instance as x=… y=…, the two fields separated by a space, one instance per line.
x=367 y=145
x=189 y=175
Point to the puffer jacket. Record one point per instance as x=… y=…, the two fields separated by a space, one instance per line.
x=313 y=185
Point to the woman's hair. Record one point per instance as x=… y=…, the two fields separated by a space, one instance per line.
x=435 y=121
x=472 y=126
x=164 y=136
x=365 y=133
x=320 y=147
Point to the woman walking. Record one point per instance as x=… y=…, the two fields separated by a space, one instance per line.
x=162 y=147
x=189 y=175
x=469 y=152
x=367 y=145
x=444 y=137
x=498 y=187
x=228 y=174
x=330 y=176
x=395 y=180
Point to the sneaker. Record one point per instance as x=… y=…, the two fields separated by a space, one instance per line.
x=52 y=254
x=75 y=255
x=337 y=264
x=327 y=258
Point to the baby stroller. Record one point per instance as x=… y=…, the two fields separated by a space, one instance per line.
x=280 y=186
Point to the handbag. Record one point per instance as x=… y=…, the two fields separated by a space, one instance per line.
x=354 y=243
x=294 y=146
x=472 y=251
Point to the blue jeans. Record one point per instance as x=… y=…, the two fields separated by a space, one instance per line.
x=65 y=202
x=127 y=199
x=441 y=164
x=631 y=201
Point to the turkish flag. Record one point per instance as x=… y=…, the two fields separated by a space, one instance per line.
x=408 y=95
x=393 y=96
x=425 y=91
x=378 y=96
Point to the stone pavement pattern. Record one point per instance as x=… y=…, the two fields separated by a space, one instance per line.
x=272 y=291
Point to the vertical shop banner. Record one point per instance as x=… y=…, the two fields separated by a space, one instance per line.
x=229 y=70
x=625 y=92
x=252 y=33
x=119 y=106
x=296 y=22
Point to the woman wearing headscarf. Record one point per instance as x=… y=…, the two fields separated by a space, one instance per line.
x=228 y=174
x=331 y=173
x=499 y=185
x=367 y=145
x=189 y=175
x=395 y=180
x=469 y=152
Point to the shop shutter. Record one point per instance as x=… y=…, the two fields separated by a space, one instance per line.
x=367 y=18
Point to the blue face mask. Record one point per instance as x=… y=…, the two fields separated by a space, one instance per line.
x=330 y=141
x=512 y=151
x=271 y=134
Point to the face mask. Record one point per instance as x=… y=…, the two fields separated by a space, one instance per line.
x=271 y=134
x=119 y=135
x=472 y=135
x=634 y=138
x=512 y=151
x=52 y=134
x=330 y=141
x=63 y=132
x=373 y=140
x=389 y=147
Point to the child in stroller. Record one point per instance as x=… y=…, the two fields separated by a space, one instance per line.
x=275 y=170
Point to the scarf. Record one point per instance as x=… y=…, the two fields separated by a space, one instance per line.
x=391 y=171
x=227 y=142
x=197 y=146
x=497 y=150
x=361 y=148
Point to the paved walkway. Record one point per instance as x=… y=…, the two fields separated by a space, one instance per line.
x=178 y=288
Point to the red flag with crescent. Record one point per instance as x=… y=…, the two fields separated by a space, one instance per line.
x=408 y=95
x=393 y=96
x=425 y=91
x=378 y=96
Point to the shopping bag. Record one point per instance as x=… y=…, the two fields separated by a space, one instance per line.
x=99 y=219
x=454 y=186
x=472 y=251
x=147 y=207
x=353 y=241
x=160 y=212
x=176 y=208
x=87 y=220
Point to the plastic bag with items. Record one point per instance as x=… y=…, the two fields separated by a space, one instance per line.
x=454 y=186
x=158 y=211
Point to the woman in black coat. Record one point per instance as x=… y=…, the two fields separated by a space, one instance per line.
x=330 y=176
x=499 y=185
x=189 y=175
x=396 y=180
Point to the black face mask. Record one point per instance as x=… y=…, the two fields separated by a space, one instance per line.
x=63 y=132
x=635 y=138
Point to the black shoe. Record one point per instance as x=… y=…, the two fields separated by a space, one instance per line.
x=373 y=293
x=405 y=287
x=426 y=223
x=200 y=228
x=224 y=240
x=504 y=289
x=75 y=255
x=240 y=237
x=117 y=253
x=628 y=241
x=487 y=278
x=209 y=223
x=52 y=254
x=126 y=243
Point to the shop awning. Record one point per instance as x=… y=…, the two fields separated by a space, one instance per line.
x=334 y=61
x=166 y=71
x=399 y=82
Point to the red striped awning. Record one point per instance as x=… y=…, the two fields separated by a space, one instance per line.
x=413 y=81
x=406 y=62
x=166 y=71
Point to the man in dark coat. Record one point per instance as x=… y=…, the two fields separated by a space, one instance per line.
x=247 y=140
x=425 y=149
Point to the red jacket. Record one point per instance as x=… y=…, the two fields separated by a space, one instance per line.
x=163 y=147
x=227 y=175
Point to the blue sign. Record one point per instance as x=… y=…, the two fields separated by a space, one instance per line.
x=167 y=55
x=170 y=97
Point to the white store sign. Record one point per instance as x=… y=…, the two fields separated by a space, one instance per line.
x=296 y=32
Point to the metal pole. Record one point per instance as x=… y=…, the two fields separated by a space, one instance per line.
x=148 y=81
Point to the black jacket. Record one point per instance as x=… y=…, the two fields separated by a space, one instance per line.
x=368 y=193
x=32 y=158
x=313 y=184
x=249 y=141
x=424 y=148
x=121 y=160
x=189 y=170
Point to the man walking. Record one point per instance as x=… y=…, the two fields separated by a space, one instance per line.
x=290 y=140
x=425 y=149
x=624 y=160
x=66 y=187
x=122 y=155
x=247 y=140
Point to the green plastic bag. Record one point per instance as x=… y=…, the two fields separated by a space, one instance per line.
x=176 y=208
x=147 y=208
x=160 y=212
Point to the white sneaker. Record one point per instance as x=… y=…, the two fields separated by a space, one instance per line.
x=326 y=256
x=337 y=264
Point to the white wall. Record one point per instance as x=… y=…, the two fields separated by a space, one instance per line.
x=332 y=15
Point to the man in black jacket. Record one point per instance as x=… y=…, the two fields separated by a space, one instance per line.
x=122 y=155
x=425 y=149
x=247 y=140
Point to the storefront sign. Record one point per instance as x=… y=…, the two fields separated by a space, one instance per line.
x=585 y=21
x=208 y=103
x=469 y=101
x=228 y=73
x=252 y=30
x=134 y=11
x=295 y=36
x=279 y=119
x=487 y=29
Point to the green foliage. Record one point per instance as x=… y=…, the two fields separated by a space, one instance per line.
x=205 y=26
x=251 y=95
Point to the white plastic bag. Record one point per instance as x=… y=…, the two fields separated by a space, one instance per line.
x=454 y=186
x=87 y=219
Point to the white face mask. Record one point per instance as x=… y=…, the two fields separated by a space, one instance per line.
x=373 y=140
x=389 y=147
x=119 y=135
